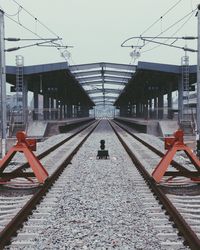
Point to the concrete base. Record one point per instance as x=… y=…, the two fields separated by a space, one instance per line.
x=36 y=129
x=167 y=127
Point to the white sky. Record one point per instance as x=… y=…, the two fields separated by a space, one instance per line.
x=96 y=29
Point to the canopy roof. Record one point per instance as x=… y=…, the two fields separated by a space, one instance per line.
x=103 y=82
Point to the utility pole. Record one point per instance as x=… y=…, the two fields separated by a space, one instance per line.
x=3 y=85
x=198 y=83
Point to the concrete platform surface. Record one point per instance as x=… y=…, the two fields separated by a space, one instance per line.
x=37 y=128
x=168 y=127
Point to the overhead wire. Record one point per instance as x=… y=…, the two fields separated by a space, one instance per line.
x=17 y=13
x=160 y=18
x=182 y=25
x=35 y=18
x=172 y=25
x=171 y=8
x=35 y=33
x=190 y=16
x=37 y=21
x=58 y=46
x=154 y=23
x=55 y=45
x=46 y=27
x=23 y=26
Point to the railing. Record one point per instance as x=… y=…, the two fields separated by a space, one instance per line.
x=152 y=113
x=41 y=114
x=161 y=114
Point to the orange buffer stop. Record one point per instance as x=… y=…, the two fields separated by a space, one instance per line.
x=25 y=146
x=174 y=144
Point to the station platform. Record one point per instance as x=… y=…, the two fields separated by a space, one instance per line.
x=159 y=128
x=155 y=127
x=40 y=129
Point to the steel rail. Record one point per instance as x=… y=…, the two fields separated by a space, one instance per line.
x=184 y=229
x=54 y=147
x=11 y=228
x=174 y=163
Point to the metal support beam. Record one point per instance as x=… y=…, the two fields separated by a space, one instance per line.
x=52 y=108
x=169 y=103
x=180 y=100
x=36 y=106
x=198 y=81
x=155 y=108
x=3 y=85
x=160 y=105
x=25 y=102
x=46 y=106
x=57 y=105
x=69 y=110
x=61 y=109
x=137 y=109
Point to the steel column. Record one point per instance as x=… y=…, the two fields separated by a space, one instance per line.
x=35 y=105
x=46 y=106
x=69 y=110
x=25 y=102
x=169 y=104
x=160 y=104
x=198 y=80
x=3 y=85
x=52 y=108
x=180 y=100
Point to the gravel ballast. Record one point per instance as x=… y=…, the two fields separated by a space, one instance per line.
x=99 y=206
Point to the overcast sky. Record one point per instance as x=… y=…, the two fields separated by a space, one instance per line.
x=96 y=29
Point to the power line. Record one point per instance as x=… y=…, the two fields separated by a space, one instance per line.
x=35 y=18
x=178 y=21
x=191 y=14
x=17 y=13
x=20 y=24
x=171 y=8
x=162 y=32
x=168 y=28
x=160 y=18
x=58 y=46
x=24 y=27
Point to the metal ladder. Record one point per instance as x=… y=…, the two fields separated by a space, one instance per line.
x=19 y=116
x=185 y=122
x=185 y=85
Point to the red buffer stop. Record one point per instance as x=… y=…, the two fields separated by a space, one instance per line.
x=174 y=144
x=25 y=146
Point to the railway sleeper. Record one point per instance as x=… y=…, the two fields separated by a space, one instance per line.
x=190 y=212
x=165 y=228
x=21 y=244
x=167 y=245
x=168 y=236
x=27 y=236
x=159 y=221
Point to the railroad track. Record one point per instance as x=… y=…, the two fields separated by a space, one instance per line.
x=173 y=204
x=17 y=204
x=182 y=209
x=34 y=227
x=43 y=152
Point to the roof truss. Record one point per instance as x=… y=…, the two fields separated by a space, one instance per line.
x=103 y=75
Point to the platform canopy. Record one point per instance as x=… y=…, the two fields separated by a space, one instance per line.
x=54 y=79
x=103 y=82
x=152 y=79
